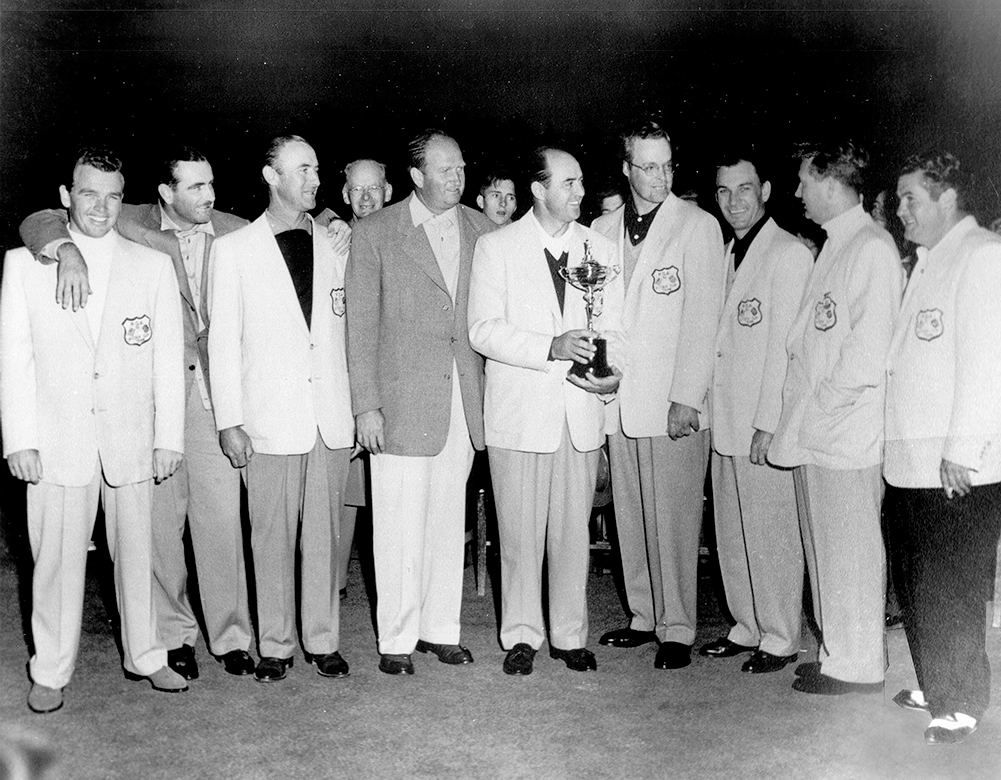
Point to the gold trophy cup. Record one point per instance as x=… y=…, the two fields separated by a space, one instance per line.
x=591 y=277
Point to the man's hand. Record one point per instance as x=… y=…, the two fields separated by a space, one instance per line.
x=600 y=385
x=236 y=445
x=760 y=442
x=955 y=478
x=369 y=430
x=25 y=465
x=339 y=236
x=165 y=463
x=681 y=420
x=574 y=345
x=72 y=282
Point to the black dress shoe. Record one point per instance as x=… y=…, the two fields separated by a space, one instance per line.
x=673 y=655
x=519 y=659
x=808 y=669
x=396 y=664
x=272 y=669
x=447 y=654
x=761 y=662
x=237 y=662
x=908 y=701
x=824 y=685
x=182 y=660
x=724 y=648
x=580 y=659
x=330 y=665
x=627 y=637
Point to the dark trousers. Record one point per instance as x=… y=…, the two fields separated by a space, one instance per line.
x=943 y=553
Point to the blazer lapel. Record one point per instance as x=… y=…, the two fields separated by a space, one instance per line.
x=417 y=247
x=752 y=263
x=277 y=275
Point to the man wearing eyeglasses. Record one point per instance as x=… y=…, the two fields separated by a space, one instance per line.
x=672 y=260
x=365 y=188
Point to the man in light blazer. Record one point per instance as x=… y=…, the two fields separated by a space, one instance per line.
x=757 y=532
x=282 y=405
x=544 y=427
x=672 y=259
x=943 y=462
x=205 y=492
x=92 y=408
x=417 y=395
x=831 y=428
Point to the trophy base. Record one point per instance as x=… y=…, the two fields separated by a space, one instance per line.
x=598 y=365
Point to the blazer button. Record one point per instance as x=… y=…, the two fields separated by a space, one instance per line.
x=191 y=367
x=97 y=375
x=454 y=339
x=444 y=307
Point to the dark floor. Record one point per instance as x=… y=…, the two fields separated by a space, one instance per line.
x=626 y=720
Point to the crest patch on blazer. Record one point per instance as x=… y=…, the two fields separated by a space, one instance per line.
x=138 y=330
x=749 y=313
x=825 y=313
x=666 y=280
x=929 y=326
x=337 y=301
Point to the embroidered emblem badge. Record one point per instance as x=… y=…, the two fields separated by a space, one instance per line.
x=749 y=313
x=337 y=301
x=666 y=280
x=138 y=330
x=825 y=313
x=929 y=325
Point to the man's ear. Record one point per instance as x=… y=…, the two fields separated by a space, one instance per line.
x=948 y=199
x=417 y=176
x=538 y=190
x=766 y=191
x=270 y=175
x=344 y=194
x=479 y=202
x=389 y=192
x=166 y=193
x=64 y=196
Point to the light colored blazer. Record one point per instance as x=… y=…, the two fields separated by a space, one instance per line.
x=513 y=317
x=672 y=309
x=271 y=374
x=943 y=390
x=405 y=333
x=75 y=400
x=142 y=225
x=750 y=358
x=832 y=399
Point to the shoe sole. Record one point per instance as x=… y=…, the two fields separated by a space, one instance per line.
x=47 y=711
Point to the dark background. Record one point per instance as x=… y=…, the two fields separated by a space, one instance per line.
x=359 y=78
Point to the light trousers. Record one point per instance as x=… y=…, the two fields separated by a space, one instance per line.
x=60 y=523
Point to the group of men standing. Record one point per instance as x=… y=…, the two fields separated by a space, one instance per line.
x=439 y=333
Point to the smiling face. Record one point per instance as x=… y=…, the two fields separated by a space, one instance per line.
x=741 y=196
x=649 y=189
x=926 y=219
x=189 y=202
x=365 y=188
x=441 y=181
x=498 y=201
x=560 y=198
x=94 y=200
x=294 y=177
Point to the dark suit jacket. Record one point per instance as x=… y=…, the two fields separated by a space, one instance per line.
x=142 y=225
x=405 y=331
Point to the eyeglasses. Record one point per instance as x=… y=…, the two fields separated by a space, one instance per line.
x=371 y=189
x=652 y=169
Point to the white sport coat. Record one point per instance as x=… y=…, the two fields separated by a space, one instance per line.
x=750 y=358
x=835 y=387
x=672 y=307
x=513 y=317
x=943 y=386
x=271 y=374
x=75 y=400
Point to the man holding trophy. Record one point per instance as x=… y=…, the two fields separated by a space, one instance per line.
x=544 y=422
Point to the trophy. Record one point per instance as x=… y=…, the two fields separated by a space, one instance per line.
x=591 y=277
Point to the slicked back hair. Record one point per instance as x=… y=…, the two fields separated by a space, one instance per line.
x=941 y=170
x=736 y=156
x=175 y=155
x=538 y=164
x=275 y=146
x=640 y=131
x=100 y=157
x=846 y=162
x=417 y=149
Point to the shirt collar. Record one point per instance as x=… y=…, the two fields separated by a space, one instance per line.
x=166 y=223
x=846 y=222
x=638 y=225
x=556 y=245
x=949 y=241
x=420 y=213
x=741 y=245
x=278 y=225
